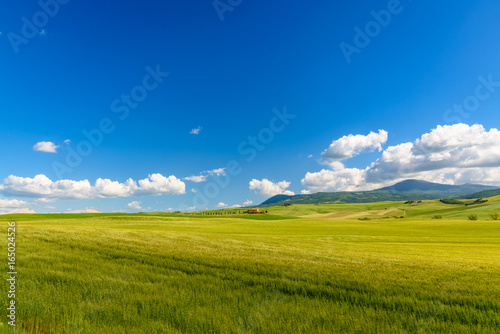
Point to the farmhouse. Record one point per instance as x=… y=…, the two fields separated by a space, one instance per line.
x=253 y=210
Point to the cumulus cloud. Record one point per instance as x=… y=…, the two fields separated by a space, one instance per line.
x=451 y=154
x=12 y=203
x=221 y=205
x=24 y=210
x=196 y=131
x=14 y=206
x=235 y=206
x=248 y=202
x=352 y=145
x=134 y=205
x=268 y=188
x=45 y=146
x=349 y=179
x=305 y=192
x=42 y=187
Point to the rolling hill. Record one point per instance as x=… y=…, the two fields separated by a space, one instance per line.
x=402 y=191
x=483 y=194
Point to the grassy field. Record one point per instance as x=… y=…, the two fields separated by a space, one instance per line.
x=292 y=271
x=378 y=210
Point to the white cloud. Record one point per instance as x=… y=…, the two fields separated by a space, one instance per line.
x=44 y=200
x=235 y=206
x=204 y=175
x=45 y=146
x=194 y=190
x=248 y=202
x=451 y=154
x=349 y=179
x=268 y=188
x=196 y=178
x=86 y=210
x=309 y=156
x=24 y=210
x=134 y=205
x=196 y=130
x=14 y=206
x=221 y=205
x=217 y=171
x=158 y=184
x=305 y=192
x=42 y=187
x=67 y=141
x=352 y=145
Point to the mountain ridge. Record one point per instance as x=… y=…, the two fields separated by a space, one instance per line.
x=410 y=189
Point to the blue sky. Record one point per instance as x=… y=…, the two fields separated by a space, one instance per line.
x=72 y=70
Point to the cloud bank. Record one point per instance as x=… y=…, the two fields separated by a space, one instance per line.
x=42 y=187
x=14 y=206
x=451 y=154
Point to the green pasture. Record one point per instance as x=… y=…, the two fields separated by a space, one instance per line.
x=291 y=271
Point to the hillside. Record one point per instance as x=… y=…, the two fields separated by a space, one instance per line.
x=483 y=194
x=409 y=185
x=402 y=191
x=425 y=209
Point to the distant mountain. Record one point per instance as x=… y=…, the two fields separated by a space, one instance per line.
x=483 y=194
x=409 y=185
x=402 y=191
x=413 y=185
x=277 y=199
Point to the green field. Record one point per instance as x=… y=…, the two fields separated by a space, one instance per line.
x=378 y=210
x=298 y=269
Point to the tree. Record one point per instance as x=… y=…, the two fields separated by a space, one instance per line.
x=473 y=217
x=494 y=216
